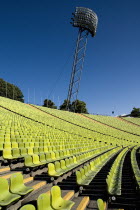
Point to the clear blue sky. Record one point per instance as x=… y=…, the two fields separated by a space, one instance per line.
x=37 y=43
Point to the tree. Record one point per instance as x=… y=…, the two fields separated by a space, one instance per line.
x=135 y=112
x=50 y=104
x=76 y=106
x=64 y=105
x=11 y=91
x=79 y=106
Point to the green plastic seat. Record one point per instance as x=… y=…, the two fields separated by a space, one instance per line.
x=45 y=149
x=61 y=153
x=63 y=165
x=23 y=151
x=48 y=157
x=68 y=163
x=36 y=144
x=16 y=152
x=7 y=145
x=52 y=170
x=41 y=149
x=57 y=201
x=27 y=207
x=35 y=150
x=53 y=157
x=100 y=204
x=28 y=162
x=21 y=145
x=78 y=177
x=7 y=154
x=6 y=197
x=58 y=167
x=36 y=160
x=30 y=151
x=26 y=144
x=42 y=158
x=43 y=202
x=17 y=186
x=31 y=144
x=14 y=145
x=57 y=155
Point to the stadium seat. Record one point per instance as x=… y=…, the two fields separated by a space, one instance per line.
x=44 y=202
x=6 y=198
x=52 y=169
x=57 y=201
x=8 y=155
x=17 y=186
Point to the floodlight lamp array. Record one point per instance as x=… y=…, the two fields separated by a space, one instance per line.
x=85 y=19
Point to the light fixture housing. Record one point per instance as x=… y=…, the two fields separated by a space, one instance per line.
x=86 y=19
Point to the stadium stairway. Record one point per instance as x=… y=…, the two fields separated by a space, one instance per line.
x=89 y=195
x=129 y=198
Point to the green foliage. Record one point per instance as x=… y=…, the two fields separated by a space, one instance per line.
x=50 y=104
x=135 y=112
x=10 y=91
x=76 y=106
x=79 y=106
x=64 y=105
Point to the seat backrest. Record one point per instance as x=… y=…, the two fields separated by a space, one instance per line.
x=86 y=169
x=14 y=145
x=23 y=151
x=78 y=177
x=42 y=157
x=57 y=166
x=100 y=204
x=7 y=145
x=55 y=195
x=63 y=164
x=36 y=144
x=35 y=150
x=16 y=180
x=36 y=159
x=57 y=155
x=28 y=160
x=4 y=188
x=48 y=155
x=26 y=144
x=51 y=169
x=27 y=207
x=53 y=155
x=67 y=162
x=82 y=173
x=6 y=153
x=15 y=152
x=41 y=149
x=43 y=202
x=30 y=151
x=71 y=161
x=46 y=149
x=74 y=158
x=21 y=145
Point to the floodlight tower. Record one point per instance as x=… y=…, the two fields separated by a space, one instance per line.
x=86 y=20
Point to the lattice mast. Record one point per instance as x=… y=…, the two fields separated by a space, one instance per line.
x=86 y=20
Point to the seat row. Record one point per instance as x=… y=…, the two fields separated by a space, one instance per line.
x=86 y=174
x=15 y=153
x=135 y=166
x=51 y=146
x=50 y=201
x=61 y=167
x=114 y=178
